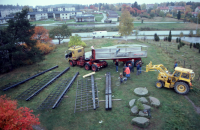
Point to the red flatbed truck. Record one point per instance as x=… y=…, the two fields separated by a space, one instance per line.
x=76 y=56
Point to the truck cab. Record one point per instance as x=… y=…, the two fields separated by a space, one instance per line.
x=74 y=53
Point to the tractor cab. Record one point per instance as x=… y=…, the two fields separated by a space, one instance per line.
x=75 y=52
x=183 y=74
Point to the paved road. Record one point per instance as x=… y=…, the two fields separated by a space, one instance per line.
x=188 y=39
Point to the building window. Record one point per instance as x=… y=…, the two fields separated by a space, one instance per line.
x=62 y=14
x=63 y=17
x=66 y=14
x=66 y=17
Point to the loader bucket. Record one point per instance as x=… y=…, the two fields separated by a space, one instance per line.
x=149 y=66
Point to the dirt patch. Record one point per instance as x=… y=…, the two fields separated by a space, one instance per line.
x=197 y=109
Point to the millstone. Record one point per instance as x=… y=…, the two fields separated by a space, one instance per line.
x=131 y=102
x=134 y=110
x=140 y=121
x=154 y=101
x=141 y=91
x=143 y=100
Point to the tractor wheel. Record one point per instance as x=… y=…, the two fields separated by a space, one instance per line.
x=159 y=84
x=94 y=68
x=181 y=88
x=71 y=63
x=113 y=36
x=87 y=66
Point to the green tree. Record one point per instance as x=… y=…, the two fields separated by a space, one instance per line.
x=136 y=33
x=60 y=32
x=152 y=15
x=26 y=7
x=76 y=41
x=181 y=34
x=179 y=15
x=155 y=6
x=191 y=33
x=16 y=46
x=170 y=36
x=162 y=14
x=143 y=6
x=126 y=24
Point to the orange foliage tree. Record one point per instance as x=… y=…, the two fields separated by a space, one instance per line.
x=44 y=43
x=12 y=118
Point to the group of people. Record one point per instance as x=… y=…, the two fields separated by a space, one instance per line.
x=130 y=68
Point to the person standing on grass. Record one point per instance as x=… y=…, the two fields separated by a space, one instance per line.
x=127 y=70
x=175 y=64
x=132 y=63
x=140 y=66
x=138 y=69
x=121 y=78
x=116 y=64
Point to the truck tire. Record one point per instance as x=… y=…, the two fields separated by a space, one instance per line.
x=136 y=62
x=181 y=88
x=113 y=36
x=87 y=66
x=105 y=64
x=128 y=63
x=71 y=63
x=94 y=68
x=102 y=36
x=93 y=37
x=159 y=84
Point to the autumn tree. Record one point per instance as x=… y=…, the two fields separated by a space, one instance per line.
x=170 y=36
x=41 y=34
x=60 y=32
x=26 y=7
x=44 y=43
x=126 y=24
x=76 y=41
x=13 y=118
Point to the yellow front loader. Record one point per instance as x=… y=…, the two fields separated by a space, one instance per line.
x=180 y=80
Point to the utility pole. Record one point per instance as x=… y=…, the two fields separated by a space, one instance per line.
x=197 y=25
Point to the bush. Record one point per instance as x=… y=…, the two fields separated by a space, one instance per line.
x=156 y=37
x=13 y=118
x=190 y=45
x=76 y=41
x=178 y=47
x=176 y=40
x=179 y=40
x=45 y=47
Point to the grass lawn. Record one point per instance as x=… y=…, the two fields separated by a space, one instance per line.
x=175 y=112
x=98 y=17
x=166 y=26
x=156 y=19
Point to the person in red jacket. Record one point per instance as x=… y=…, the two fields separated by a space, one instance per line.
x=127 y=71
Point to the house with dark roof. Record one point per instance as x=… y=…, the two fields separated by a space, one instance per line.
x=4 y=20
x=179 y=8
x=112 y=15
x=56 y=15
x=85 y=18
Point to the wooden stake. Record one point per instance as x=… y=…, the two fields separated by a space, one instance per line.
x=88 y=74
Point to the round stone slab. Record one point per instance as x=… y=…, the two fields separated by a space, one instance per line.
x=141 y=91
x=154 y=101
x=140 y=121
x=143 y=100
x=134 y=110
x=146 y=107
x=131 y=102
x=141 y=113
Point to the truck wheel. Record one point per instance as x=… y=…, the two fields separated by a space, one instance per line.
x=159 y=84
x=105 y=64
x=87 y=66
x=93 y=37
x=136 y=62
x=71 y=63
x=94 y=68
x=113 y=37
x=102 y=36
x=128 y=63
x=181 y=88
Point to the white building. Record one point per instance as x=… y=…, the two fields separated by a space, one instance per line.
x=197 y=9
x=164 y=9
x=37 y=16
x=6 y=12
